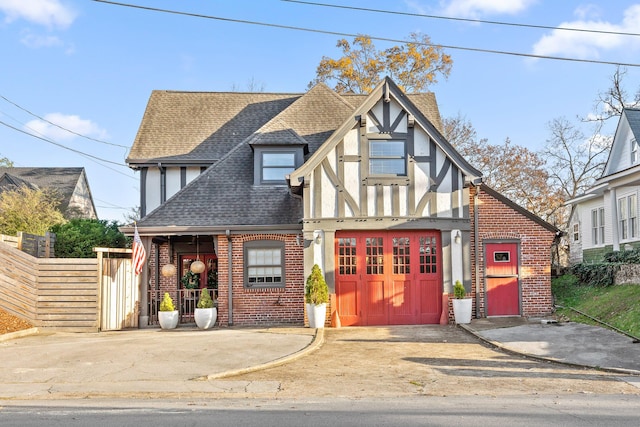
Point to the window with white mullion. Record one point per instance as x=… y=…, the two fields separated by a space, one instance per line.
x=387 y=157
x=622 y=218
x=633 y=216
x=597 y=226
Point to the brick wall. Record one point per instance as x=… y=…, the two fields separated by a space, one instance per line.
x=499 y=221
x=261 y=306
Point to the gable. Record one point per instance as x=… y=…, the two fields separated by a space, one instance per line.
x=70 y=183
x=624 y=152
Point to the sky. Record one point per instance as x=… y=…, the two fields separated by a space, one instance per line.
x=76 y=75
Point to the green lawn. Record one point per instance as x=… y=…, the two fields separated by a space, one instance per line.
x=618 y=305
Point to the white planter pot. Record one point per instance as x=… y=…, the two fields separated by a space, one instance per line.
x=319 y=315
x=309 y=313
x=462 y=310
x=205 y=317
x=168 y=319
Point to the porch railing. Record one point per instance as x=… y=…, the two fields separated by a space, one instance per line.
x=185 y=301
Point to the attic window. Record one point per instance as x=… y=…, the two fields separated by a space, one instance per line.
x=634 y=151
x=272 y=163
x=387 y=157
x=275 y=166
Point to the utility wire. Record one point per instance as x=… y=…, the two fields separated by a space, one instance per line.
x=481 y=21
x=336 y=33
x=61 y=146
x=60 y=127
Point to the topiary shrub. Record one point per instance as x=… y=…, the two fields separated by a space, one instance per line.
x=316 y=290
x=458 y=290
x=167 y=303
x=205 y=300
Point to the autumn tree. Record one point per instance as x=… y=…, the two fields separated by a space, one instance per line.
x=5 y=162
x=513 y=170
x=29 y=210
x=413 y=66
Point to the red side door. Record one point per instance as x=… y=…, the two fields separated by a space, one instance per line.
x=502 y=279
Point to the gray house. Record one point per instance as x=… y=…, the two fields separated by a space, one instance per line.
x=70 y=184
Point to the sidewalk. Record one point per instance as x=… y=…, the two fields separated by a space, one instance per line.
x=152 y=362
x=565 y=342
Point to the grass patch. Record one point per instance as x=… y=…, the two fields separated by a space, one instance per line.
x=617 y=305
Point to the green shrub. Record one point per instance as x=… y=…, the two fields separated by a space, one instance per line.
x=205 y=300
x=167 y=303
x=624 y=257
x=316 y=291
x=458 y=290
x=598 y=275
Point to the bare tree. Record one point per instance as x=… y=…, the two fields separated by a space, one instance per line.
x=574 y=161
x=611 y=102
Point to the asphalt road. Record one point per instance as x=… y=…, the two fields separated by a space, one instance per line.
x=541 y=411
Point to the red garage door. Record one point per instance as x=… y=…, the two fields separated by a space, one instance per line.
x=388 y=278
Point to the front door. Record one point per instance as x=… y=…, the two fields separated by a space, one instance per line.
x=502 y=279
x=388 y=278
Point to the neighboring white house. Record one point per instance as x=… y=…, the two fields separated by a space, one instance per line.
x=605 y=218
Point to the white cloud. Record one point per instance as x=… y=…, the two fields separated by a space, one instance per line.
x=71 y=122
x=478 y=8
x=589 y=45
x=32 y=40
x=50 y=13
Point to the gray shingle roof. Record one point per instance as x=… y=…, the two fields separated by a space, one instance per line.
x=224 y=126
x=633 y=116
x=63 y=180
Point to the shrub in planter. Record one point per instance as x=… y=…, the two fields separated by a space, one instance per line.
x=316 y=295
x=205 y=314
x=461 y=304
x=168 y=315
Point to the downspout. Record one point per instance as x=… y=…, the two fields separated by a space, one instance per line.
x=230 y=276
x=476 y=215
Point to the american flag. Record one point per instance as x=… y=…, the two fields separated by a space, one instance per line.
x=139 y=254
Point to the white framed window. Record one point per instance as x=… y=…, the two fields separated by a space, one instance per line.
x=576 y=232
x=387 y=157
x=628 y=217
x=264 y=264
x=634 y=151
x=597 y=226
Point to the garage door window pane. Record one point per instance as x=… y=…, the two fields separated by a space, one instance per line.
x=401 y=260
x=428 y=255
x=375 y=258
x=347 y=255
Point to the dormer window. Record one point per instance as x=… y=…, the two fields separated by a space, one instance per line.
x=634 y=151
x=273 y=164
x=387 y=157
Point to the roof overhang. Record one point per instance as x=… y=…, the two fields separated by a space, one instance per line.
x=176 y=230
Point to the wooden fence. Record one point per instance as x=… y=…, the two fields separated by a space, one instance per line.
x=61 y=293
x=37 y=246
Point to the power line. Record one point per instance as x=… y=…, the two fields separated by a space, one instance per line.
x=341 y=34
x=66 y=148
x=481 y=21
x=60 y=127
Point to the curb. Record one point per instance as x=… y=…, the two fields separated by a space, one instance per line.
x=316 y=343
x=506 y=349
x=18 y=334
